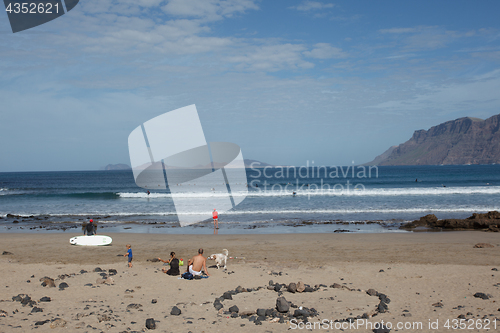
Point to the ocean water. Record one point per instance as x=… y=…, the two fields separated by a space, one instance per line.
x=327 y=199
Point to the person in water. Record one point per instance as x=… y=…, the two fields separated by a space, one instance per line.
x=174 y=265
x=215 y=216
x=90 y=228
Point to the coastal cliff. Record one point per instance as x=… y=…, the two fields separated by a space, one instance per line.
x=461 y=141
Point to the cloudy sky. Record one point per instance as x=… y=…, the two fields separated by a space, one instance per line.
x=289 y=81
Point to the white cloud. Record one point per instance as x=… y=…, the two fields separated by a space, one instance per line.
x=211 y=10
x=312 y=5
x=398 y=30
x=272 y=58
x=325 y=51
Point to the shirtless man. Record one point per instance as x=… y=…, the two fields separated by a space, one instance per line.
x=197 y=263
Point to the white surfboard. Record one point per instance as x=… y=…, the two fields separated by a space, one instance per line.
x=94 y=240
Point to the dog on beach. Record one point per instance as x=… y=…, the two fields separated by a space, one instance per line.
x=220 y=258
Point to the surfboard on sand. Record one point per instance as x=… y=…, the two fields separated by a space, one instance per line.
x=94 y=240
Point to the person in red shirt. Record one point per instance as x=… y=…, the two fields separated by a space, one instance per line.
x=215 y=215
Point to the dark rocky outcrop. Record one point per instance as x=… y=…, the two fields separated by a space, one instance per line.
x=489 y=221
x=460 y=141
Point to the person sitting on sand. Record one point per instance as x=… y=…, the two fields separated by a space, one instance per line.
x=174 y=265
x=197 y=263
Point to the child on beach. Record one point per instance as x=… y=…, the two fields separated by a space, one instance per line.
x=129 y=254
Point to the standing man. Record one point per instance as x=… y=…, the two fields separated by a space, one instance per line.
x=89 y=228
x=215 y=216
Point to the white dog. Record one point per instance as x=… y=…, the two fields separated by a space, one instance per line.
x=220 y=258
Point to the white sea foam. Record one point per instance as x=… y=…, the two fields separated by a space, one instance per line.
x=280 y=191
x=302 y=212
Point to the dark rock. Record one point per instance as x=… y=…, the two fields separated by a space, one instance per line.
x=271 y=283
x=63 y=286
x=83 y=271
x=227 y=295
x=240 y=289
x=97 y=269
x=134 y=306
x=308 y=289
x=150 y=324
x=336 y=286
x=35 y=310
x=438 y=305
x=234 y=315
x=152 y=260
x=483 y=245
x=45 y=299
x=154 y=301
x=40 y=323
x=382 y=329
x=269 y=312
x=282 y=305
x=301 y=313
x=7 y=253
x=112 y=271
x=277 y=287
x=292 y=287
x=261 y=312
x=481 y=295
x=218 y=305
x=372 y=292
x=382 y=307
x=252 y=318
x=234 y=309
x=384 y=298
x=175 y=311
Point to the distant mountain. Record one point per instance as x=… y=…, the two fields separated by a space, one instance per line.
x=112 y=167
x=461 y=141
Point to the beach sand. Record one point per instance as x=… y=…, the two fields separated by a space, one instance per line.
x=414 y=270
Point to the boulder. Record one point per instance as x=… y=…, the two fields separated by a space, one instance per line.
x=282 y=305
x=234 y=309
x=175 y=311
x=292 y=287
x=150 y=324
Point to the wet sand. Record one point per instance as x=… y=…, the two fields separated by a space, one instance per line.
x=414 y=270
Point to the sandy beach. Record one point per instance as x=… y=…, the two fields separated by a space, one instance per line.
x=422 y=279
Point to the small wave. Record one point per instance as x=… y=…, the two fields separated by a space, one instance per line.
x=279 y=191
x=466 y=209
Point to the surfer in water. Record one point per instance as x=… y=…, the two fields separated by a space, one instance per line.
x=90 y=228
x=294 y=193
x=215 y=216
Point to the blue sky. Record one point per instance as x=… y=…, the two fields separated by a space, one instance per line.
x=289 y=81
